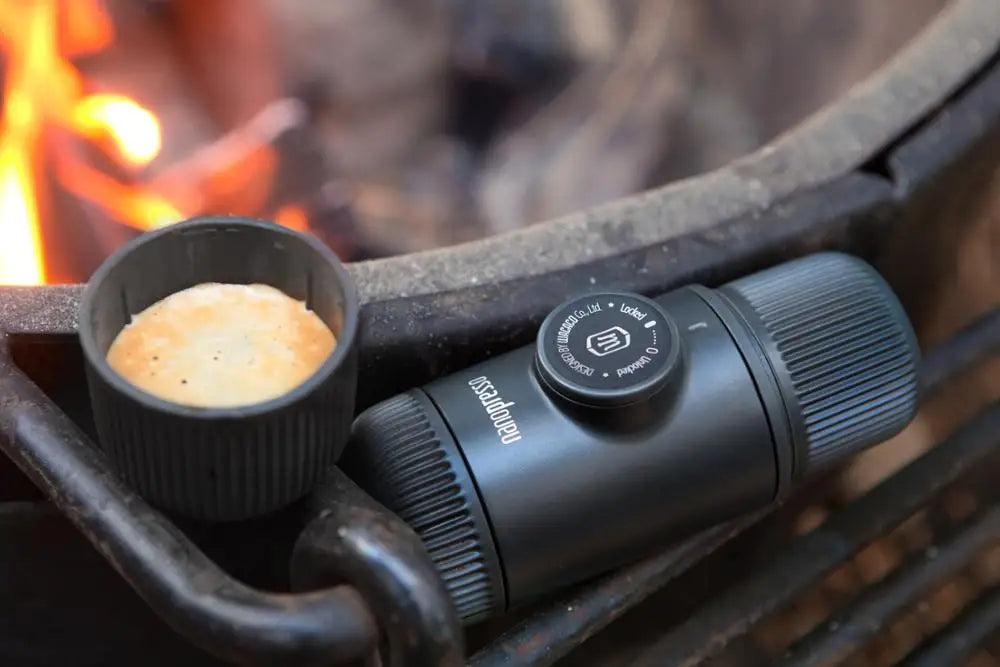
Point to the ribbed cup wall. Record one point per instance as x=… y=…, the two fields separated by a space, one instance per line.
x=225 y=469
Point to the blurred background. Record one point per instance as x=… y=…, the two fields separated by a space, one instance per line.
x=391 y=126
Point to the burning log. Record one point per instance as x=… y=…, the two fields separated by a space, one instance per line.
x=235 y=171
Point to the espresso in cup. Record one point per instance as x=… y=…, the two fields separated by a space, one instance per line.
x=220 y=345
x=221 y=365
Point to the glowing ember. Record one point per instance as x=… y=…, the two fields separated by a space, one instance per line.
x=293 y=217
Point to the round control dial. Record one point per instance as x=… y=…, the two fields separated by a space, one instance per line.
x=607 y=349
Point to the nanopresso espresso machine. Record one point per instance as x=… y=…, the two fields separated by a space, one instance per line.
x=635 y=421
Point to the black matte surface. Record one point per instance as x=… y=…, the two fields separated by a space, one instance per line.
x=581 y=491
x=221 y=463
x=402 y=453
x=607 y=349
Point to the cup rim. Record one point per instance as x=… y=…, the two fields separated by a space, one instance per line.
x=98 y=361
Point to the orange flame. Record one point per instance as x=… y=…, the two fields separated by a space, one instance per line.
x=28 y=41
x=85 y=28
x=41 y=89
x=133 y=131
x=141 y=208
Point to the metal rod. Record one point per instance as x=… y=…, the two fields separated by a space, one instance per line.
x=959 y=639
x=190 y=592
x=965 y=350
x=419 y=621
x=851 y=629
x=813 y=555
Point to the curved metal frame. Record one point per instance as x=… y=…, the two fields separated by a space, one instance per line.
x=208 y=606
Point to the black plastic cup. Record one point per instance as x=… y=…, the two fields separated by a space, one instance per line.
x=221 y=464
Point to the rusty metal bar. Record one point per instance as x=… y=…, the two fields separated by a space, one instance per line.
x=420 y=625
x=972 y=345
x=189 y=591
x=183 y=585
x=845 y=633
x=959 y=639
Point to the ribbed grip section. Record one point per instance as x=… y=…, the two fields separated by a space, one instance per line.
x=225 y=470
x=403 y=455
x=842 y=348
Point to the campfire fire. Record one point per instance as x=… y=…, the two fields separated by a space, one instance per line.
x=43 y=90
x=64 y=132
